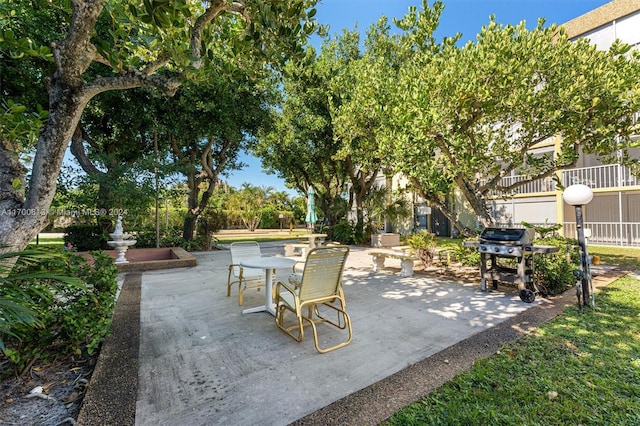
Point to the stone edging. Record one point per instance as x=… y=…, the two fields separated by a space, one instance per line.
x=113 y=390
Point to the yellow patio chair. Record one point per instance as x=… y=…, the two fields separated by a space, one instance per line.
x=319 y=291
x=246 y=278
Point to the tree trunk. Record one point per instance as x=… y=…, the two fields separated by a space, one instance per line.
x=189 y=228
x=24 y=218
x=476 y=201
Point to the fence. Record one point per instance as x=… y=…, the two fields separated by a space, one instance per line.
x=606 y=176
x=608 y=233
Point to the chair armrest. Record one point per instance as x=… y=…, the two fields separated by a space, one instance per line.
x=289 y=287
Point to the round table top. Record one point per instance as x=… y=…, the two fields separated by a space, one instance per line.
x=268 y=262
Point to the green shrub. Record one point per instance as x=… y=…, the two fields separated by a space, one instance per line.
x=269 y=218
x=343 y=232
x=555 y=271
x=211 y=220
x=424 y=245
x=169 y=237
x=73 y=317
x=145 y=237
x=467 y=256
x=84 y=237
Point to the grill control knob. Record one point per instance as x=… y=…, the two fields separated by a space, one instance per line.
x=510 y=250
x=483 y=248
x=496 y=249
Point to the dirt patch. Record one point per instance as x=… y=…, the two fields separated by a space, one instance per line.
x=454 y=272
x=45 y=396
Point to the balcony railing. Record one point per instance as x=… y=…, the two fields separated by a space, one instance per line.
x=608 y=233
x=606 y=176
x=530 y=186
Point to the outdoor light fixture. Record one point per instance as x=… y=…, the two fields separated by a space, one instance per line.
x=578 y=196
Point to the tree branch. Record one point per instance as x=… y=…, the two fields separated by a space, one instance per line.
x=131 y=80
x=77 y=149
x=217 y=8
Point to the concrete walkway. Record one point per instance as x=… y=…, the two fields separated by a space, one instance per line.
x=202 y=362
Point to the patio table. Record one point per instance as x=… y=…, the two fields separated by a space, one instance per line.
x=268 y=263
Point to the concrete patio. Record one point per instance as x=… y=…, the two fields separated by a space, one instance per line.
x=202 y=362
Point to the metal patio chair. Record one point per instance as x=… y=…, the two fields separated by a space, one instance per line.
x=318 y=292
x=246 y=278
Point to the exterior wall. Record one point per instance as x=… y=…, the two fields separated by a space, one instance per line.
x=609 y=207
x=535 y=210
x=598 y=24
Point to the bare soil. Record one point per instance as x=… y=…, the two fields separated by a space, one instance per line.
x=454 y=272
x=44 y=396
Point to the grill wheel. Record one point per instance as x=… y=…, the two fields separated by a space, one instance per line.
x=527 y=295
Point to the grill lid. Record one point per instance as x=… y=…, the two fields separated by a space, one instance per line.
x=508 y=235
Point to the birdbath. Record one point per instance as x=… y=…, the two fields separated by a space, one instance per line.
x=120 y=241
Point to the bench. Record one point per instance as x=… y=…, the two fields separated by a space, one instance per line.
x=406 y=261
x=297 y=249
x=403 y=249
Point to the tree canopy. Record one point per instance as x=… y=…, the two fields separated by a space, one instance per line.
x=98 y=46
x=467 y=116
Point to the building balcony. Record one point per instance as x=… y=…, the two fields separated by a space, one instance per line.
x=608 y=176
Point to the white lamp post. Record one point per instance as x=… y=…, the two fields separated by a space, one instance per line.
x=578 y=196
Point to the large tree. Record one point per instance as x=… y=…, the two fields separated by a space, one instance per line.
x=114 y=145
x=467 y=116
x=153 y=44
x=207 y=126
x=300 y=147
x=361 y=111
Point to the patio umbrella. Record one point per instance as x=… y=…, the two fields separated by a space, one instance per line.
x=311 y=208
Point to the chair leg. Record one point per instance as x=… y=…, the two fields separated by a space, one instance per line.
x=339 y=322
x=280 y=310
x=347 y=325
x=229 y=283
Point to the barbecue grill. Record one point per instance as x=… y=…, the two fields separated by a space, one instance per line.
x=516 y=246
x=507 y=242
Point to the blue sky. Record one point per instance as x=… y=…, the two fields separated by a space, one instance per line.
x=459 y=16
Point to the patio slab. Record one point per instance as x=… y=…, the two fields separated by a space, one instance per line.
x=203 y=362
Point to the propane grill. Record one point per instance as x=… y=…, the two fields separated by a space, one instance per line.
x=507 y=242
x=516 y=246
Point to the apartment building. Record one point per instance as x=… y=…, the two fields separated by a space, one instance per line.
x=613 y=216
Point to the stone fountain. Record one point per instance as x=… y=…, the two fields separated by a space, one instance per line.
x=120 y=241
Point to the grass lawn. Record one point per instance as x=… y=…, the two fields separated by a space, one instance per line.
x=47 y=240
x=579 y=369
x=621 y=256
